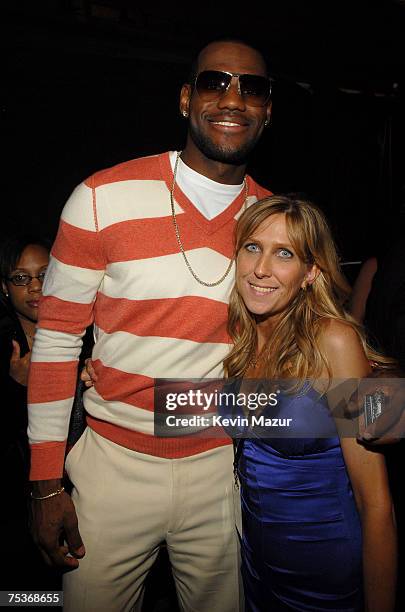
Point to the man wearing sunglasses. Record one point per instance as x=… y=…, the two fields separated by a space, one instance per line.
x=145 y=250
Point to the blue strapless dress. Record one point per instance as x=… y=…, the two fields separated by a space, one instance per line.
x=301 y=543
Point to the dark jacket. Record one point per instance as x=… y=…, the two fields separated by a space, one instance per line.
x=14 y=451
x=385 y=311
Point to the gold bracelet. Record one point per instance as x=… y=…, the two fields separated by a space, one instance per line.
x=58 y=492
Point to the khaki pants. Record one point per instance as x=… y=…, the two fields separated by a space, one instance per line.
x=128 y=503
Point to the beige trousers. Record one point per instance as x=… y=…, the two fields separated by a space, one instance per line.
x=128 y=503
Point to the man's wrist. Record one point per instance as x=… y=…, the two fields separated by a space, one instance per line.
x=40 y=488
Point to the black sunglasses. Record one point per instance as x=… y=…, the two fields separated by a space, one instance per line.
x=212 y=84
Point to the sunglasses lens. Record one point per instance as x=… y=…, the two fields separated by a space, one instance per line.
x=211 y=84
x=255 y=90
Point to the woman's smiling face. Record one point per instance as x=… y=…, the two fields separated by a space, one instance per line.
x=269 y=273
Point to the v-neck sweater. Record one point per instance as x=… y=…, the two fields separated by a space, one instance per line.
x=116 y=263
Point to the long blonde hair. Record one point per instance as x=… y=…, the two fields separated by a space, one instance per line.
x=294 y=348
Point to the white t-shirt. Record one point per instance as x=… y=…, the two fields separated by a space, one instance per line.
x=209 y=197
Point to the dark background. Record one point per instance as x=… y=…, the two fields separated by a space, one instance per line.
x=88 y=84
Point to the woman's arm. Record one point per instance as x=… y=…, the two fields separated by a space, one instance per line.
x=368 y=476
x=369 y=480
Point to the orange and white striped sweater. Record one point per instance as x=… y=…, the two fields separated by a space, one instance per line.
x=116 y=262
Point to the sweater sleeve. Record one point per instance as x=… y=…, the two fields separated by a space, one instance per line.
x=76 y=269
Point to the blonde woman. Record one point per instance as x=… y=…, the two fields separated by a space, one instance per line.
x=318 y=525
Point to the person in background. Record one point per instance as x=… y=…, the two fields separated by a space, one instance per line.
x=23 y=262
x=362 y=288
x=318 y=523
x=384 y=322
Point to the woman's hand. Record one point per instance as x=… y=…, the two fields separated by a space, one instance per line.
x=88 y=374
x=19 y=366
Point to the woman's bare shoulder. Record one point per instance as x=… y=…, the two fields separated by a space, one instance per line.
x=343 y=349
x=336 y=333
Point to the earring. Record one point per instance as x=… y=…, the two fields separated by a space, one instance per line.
x=267 y=123
x=184 y=113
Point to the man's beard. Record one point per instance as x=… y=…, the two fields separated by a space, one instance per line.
x=222 y=154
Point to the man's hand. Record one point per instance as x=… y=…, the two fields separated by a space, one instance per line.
x=389 y=427
x=88 y=374
x=54 y=520
x=19 y=366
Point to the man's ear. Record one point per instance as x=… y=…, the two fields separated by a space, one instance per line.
x=185 y=96
x=268 y=112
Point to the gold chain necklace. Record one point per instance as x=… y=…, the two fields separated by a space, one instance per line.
x=176 y=229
